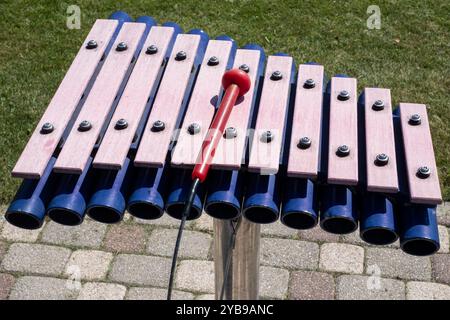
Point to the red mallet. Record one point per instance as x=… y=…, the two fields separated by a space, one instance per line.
x=236 y=83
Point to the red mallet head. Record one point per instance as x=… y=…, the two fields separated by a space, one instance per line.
x=237 y=77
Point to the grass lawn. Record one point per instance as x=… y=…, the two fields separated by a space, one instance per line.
x=410 y=54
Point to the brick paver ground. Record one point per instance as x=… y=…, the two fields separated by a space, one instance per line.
x=131 y=260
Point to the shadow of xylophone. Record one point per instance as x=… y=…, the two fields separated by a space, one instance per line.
x=126 y=124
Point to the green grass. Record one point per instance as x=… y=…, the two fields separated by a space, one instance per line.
x=410 y=54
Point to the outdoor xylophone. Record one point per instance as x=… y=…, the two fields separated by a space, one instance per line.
x=129 y=119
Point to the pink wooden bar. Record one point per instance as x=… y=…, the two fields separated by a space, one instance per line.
x=381 y=176
x=343 y=131
x=154 y=144
x=304 y=158
x=201 y=107
x=78 y=147
x=419 y=153
x=265 y=154
x=40 y=147
x=116 y=143
x=230 y=152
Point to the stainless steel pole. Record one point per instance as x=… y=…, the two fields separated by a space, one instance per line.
x=242 y=282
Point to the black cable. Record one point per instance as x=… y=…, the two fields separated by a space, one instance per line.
x=230 y=254
x=186 y=211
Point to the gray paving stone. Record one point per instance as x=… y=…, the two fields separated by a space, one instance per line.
x=126 y=238
x=353 y=238
x=204 y=223
x=15 y=234
x=194 y=275
x=205 y=297
x=441 y=267
x=165 y=221
x=141 y=270
x=36 y=259
x=102 y=291
x=416 y=290
x=310 y=285
x=88 y=264
x=394 y=263
x=89 y=234
x=156 y=294
x=443 y=214
x=278 y=229
x=289 y=253
x=2 y=215
x=43 y=288
x=274 y=283
x=193 y=244
x=355 y=287
x=444 y=241
x=3 y=249
x=316 y=234
x=340 y=257
x=6 y=283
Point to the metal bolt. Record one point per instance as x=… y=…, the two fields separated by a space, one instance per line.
x=343 y=151
x=381 y=159
x=423 y=172
x=344 y=95
x=267 y=136
x=415 y=120
x=158 y=125
x=47 y=128
x=309 y=84
x=152 y=49
x=230 y=133
x=244 y=68
x=122 y=46
x=181 y=55
x=84 y=126
x=378 y=105
x=194 y=128
x=92 y=44
x=213 y=61
x=121 y=124
x=304 y=143
x=276 y=75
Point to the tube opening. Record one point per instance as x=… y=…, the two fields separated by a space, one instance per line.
x=222 y=210
x=145 y=211
x=300 y=220
x=23 y=220
x=104 y=214
x=260 y=214
x=338 y=225
x=175 y=210
x=420 y=247
x=65 y=217
x=379 y=236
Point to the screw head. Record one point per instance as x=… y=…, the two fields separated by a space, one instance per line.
x=158 y=126
x=267 y=136
x=343 y=151
x=344 y=95
x=378 y=105
x=304 y=143
x=151 y=49
x=84 y=126
x=381 y=159
x=122 y=46
x=230 y=133
x=309 y=84
x=92 y=44
x=276 y=75
x=121 y=124
x=415 y=120
x=244 y=68
x=194 y=128
x=181 y=55
x=213 y=61
x=47 y=128
x=423 y=172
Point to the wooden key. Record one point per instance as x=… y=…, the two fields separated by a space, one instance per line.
x=50 y=128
